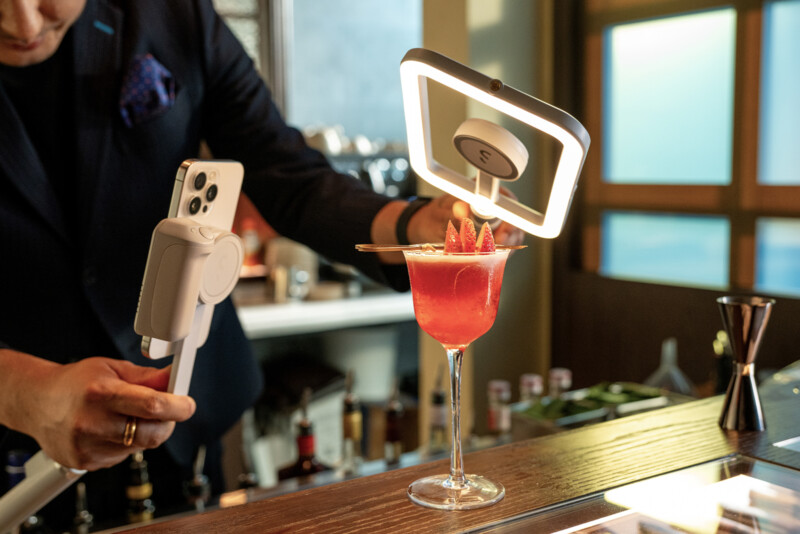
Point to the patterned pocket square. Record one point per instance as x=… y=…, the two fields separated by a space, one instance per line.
x=148 y=90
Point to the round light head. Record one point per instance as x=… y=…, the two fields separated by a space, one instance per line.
x=491 y=148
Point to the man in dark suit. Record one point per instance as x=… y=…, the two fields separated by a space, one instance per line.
x=86 y=172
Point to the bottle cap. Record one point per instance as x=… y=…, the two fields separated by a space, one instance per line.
x=15 y=466
x=562 y=377
x=531 y=382
x=17 y=457
x=501 y=388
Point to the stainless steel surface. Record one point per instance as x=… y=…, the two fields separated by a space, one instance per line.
x=744 y=319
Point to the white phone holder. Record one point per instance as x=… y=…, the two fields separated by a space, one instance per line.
x=190 y=268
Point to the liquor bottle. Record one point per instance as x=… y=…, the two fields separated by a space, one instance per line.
x=352 y=429
x=198 y=489
x=247 y=478
x=437 y=441
x=139 y=490
x=83 y=520
x=531 y=387
x=559 y=382
x=499 y=393
x=393 y=444
x=15 y=469
x=306 y=464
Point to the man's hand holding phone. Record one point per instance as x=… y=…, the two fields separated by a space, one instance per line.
x=78 y=412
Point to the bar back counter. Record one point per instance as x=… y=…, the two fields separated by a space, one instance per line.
x=544 y=477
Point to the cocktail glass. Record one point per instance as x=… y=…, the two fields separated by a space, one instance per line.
x=455 y=301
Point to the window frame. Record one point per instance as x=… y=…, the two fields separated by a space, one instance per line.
x=743 y=201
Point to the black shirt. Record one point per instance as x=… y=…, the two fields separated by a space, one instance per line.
x=42 y=98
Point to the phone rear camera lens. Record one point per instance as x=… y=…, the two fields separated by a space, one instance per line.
x=200 y=180
x=211 y=194
x=194 y=205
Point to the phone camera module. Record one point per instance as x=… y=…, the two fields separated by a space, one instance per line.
x=200 y=180
x=194 y=205
x=211 y=193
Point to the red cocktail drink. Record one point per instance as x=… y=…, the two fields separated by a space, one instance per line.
x=456 y=295
x=455 y=301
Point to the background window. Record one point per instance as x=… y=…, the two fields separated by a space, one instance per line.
x=680 y=249
x=778 y=256
x=668 y=90
x=779 y=157
x=343 y=64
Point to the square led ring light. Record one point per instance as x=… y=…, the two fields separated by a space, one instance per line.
x=496 y=153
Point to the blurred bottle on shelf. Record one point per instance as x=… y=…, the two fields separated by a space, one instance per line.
x=139 y=490
x=437 y=440
x=499 y=420
x=83 y=520
x=198 y=489
x=352 y=429
x=668 y=376
x=559 y=381
x=393 y=444
x=531 y=388
x=251 y=241
x=307 y=464
x=723 y=368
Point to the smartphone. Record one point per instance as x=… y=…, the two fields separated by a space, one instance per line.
x=206 y=191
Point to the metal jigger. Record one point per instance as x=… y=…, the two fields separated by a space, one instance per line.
x=745 y=319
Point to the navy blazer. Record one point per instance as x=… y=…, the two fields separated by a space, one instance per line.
x=66 y=295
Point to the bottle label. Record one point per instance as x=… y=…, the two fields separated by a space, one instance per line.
x=139 y=493
x=438 y=416
x=499 y=419
x=352 y=426
x=305 y=445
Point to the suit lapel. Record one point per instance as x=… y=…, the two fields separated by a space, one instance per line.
x=21 y=163
x=97 y=57
x=97 y=35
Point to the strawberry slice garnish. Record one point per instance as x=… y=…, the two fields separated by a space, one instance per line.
x=485 y=241
x=452 y=242
x=467 y=235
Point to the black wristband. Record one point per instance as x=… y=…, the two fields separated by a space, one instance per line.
x=413 y=207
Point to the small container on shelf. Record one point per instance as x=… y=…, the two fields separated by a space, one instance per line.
x=559 y=382
x=669 y=376
x=499 y=420
x=531 y=388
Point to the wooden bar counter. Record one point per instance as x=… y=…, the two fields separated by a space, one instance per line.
x=537 y=473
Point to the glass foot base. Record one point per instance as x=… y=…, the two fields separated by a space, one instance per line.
x=438 y=492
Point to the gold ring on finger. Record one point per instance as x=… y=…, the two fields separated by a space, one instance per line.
x=130 y=432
